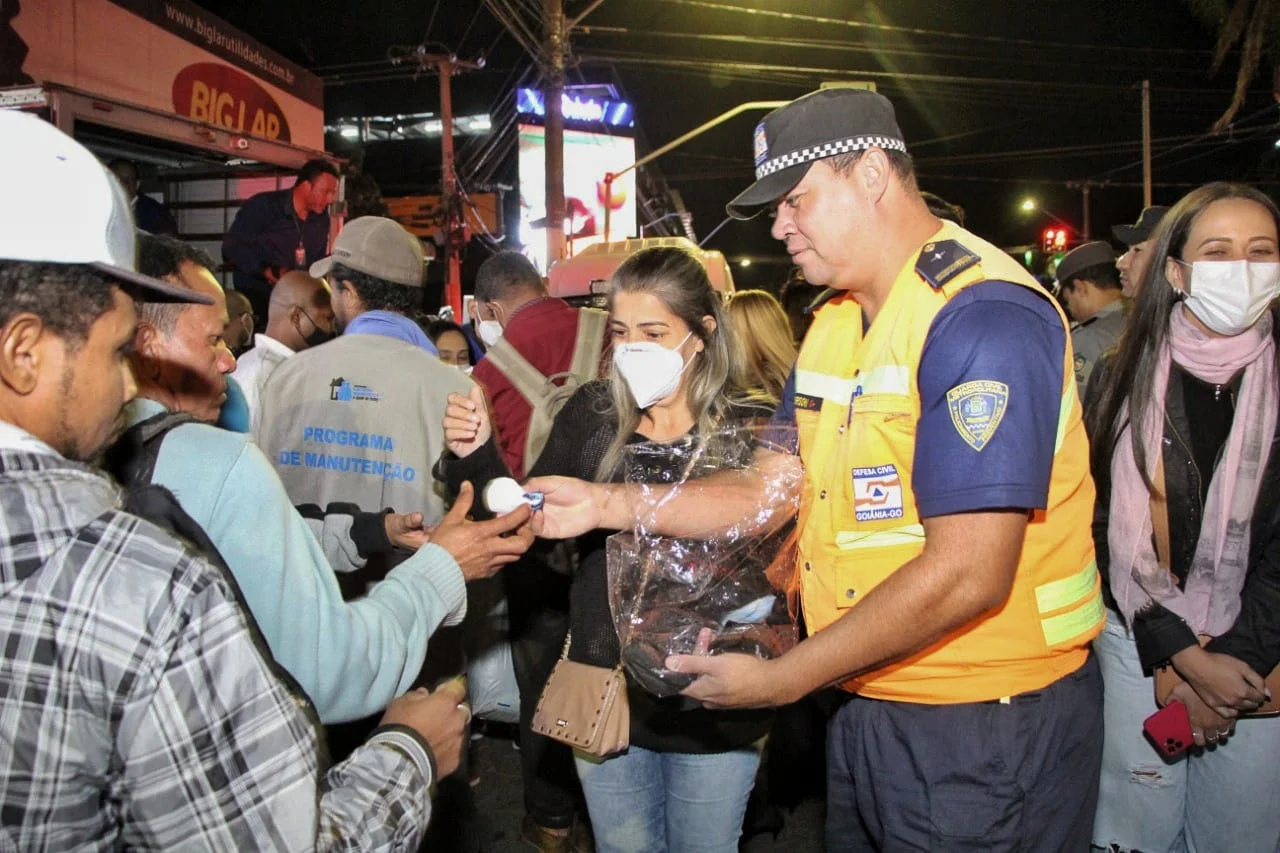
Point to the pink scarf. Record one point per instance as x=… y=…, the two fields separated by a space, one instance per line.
x=1210 y=599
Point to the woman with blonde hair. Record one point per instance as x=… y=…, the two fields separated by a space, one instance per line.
x=683 y=783
x=764 y=350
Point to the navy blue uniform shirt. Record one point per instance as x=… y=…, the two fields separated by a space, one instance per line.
x=996 y=332
x=267 y=231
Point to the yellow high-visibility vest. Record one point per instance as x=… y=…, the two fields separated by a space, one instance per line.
x=857 y=409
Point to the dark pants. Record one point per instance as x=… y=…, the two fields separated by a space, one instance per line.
x=987 y=776
x=537 y=604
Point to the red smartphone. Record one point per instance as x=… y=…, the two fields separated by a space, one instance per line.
x=1170 y=729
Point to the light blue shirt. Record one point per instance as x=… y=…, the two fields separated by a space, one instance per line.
x=392 y=325
x=351 y=658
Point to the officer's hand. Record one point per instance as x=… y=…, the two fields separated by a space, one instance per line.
x=569 y=507
x=483 y=547
x=466 y=422
x=406 y=530
x=440 y=717
x=732 y=680
x=1228 y=685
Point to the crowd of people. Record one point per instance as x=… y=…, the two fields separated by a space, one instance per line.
x=1029 y=520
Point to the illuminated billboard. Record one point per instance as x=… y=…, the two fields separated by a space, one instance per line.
x=587 y=158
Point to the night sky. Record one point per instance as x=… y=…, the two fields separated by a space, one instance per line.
x=997 y=100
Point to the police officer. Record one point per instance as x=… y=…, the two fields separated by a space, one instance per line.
x=1089 y=286
x=946 y=566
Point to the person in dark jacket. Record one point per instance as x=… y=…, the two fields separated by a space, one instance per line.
x=1187 y=410
x=683 y=783
x=281 y=230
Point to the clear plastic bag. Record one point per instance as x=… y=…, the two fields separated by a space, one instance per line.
x=725 y=592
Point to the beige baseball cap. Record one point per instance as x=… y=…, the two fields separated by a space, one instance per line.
x=376 y=246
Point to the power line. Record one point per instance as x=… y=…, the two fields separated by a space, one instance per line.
x=435 y=7
x=475 y=16
x=1234 y=125
x=1086 y=150
x=918 y=31
x=1141 y=67
x=817 y=71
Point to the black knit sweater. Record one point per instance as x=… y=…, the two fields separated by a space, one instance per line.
x=576 y=446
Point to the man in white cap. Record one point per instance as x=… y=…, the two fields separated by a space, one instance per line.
x=142 y=710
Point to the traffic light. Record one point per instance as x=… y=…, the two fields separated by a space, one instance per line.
x=1054 y=240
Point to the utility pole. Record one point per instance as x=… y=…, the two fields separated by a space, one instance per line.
x=1146 y=143
x=1085 y=189
x=455 y=228
x=556 y=37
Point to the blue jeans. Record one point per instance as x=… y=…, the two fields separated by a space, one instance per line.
x=1226 y=798
x=654 y=802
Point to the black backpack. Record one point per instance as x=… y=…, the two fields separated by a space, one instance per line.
x=132 y=461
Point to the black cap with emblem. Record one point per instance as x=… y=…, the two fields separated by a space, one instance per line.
x=1140 y=231
x=818 y=125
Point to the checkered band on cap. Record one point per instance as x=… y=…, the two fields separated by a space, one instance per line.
x=828 y=149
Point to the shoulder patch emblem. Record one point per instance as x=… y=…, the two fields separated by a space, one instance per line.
x=942 y=261
x=976 y=410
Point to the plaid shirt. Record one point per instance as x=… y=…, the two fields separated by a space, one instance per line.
x=136 y=710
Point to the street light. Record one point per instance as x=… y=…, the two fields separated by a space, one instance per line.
x=1030 y=205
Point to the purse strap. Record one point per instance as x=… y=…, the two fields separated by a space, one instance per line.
x=564 y=653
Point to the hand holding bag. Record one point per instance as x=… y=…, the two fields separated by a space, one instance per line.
x=585 y=707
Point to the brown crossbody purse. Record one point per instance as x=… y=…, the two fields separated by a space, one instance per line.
x=585 y=706
x=1166 y=677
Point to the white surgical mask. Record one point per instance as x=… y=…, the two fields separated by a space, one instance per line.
x=490 y=331
x=1230 y=296
x=465 y=368
x=651 y=371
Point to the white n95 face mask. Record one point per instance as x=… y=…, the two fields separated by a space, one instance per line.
x=652 y=372
x=490 y=331
x=1230 y=296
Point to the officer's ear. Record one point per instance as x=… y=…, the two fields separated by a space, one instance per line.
x=873 y=169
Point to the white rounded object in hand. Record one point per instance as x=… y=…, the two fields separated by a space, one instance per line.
x=505 y=495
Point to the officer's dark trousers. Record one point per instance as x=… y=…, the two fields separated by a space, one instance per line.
x=1021 y=776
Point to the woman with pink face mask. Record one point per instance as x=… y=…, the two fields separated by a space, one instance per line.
x=683 y=783
x=1183 y=420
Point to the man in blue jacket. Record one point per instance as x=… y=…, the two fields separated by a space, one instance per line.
x=350 y=658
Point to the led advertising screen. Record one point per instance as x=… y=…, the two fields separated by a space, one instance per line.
x=587 y=158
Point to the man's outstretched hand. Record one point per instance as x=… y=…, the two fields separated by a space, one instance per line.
x=483 y=547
